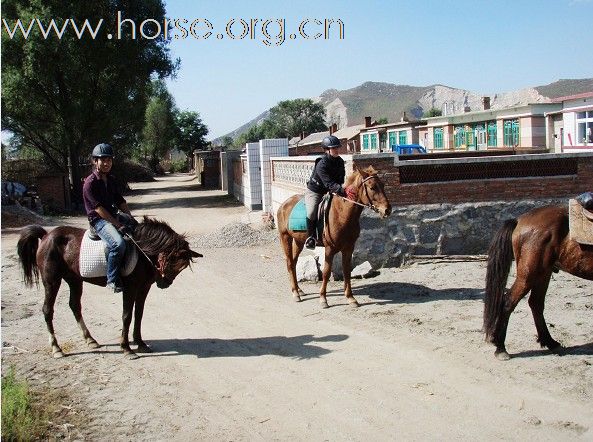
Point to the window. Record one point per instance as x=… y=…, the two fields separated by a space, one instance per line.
x=403 y=136
x=438 y=138
x=392 y=140
x=459 y=136
x=470 y=138
x=584 y=128
x=511 y=133
x=492 y=134
x=373 y=141
x=365 y=142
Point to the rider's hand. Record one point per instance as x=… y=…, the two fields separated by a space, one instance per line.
x=124 y=230
x=350 y=193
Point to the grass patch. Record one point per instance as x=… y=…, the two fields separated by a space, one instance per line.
x=21 y=418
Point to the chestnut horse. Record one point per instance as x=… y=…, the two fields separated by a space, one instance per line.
x=56 y=257
x=540 y=244
x=340 y=233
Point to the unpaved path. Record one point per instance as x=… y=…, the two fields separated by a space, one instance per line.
x=236 y=359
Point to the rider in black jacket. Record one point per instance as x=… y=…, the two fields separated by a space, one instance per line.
x=328 y=176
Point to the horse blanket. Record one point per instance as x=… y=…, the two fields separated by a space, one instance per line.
x=93 y=258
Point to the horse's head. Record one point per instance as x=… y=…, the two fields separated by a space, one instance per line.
x=370 y=190
x=171 y=250
x=170 y=264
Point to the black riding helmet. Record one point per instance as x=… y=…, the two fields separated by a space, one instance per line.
x=331 y=141
x=103 y=150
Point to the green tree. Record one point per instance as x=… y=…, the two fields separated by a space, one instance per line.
x=63 y=95
x=191 y=132
x=292 y=117
x=160 y=131
x=382 y=120
x=432 y=112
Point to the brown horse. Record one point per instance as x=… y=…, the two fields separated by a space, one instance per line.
x=56 y=257
x=540 y=244
x=340 y=233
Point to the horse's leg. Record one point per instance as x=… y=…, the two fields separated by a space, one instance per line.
x=517 y=291
x=51 y=292
x=326 y=273
x=289 y=254
x=76 y=307
x=297 y=248
x=347 y=270
x=536 y=303
x=128 y=306
x=138 y=313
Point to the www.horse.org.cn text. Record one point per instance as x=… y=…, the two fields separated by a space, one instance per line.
x=270 y=31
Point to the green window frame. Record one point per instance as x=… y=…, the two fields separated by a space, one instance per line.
x=459 y=136
x=470 y=137
x=492 y=133
x=373 y=141
x=365 y=142
x=438 y=138
x=392 y=140
x=511 y=133
x=402 y=137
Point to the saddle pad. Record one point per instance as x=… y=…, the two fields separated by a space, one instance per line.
x=581 y=228
x=93 y=258
x=297 y=220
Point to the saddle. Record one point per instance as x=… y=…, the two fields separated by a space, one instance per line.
x=580 y=223
x=93 y=257
x=297 y=220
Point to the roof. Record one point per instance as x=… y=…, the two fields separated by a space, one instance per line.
x=573 y=97
x=315 y=137
x=293 y=141
x=396 y=124
x=349 y=132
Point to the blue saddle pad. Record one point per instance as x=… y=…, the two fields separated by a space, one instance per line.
x=298 y=216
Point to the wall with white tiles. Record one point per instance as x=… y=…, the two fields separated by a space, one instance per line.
x=252 y=185
x=271 y=147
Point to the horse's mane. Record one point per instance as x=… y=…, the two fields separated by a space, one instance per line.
x=355 y=178
x=154 y=236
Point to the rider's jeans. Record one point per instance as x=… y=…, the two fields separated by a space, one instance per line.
x=116 y=246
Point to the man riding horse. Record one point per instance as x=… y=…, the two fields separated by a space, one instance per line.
x=104 y=206
x=328 y=176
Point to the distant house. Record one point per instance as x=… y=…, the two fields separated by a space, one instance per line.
x=570 y=128
x=348 y=136
x=384 y=137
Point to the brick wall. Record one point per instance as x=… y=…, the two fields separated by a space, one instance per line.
x=54 y=191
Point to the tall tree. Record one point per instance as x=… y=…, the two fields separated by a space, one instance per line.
x=63 y=94
x=160 y=132
x=191 y=132
x=292 y=117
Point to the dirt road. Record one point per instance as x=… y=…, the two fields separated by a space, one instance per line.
x=236 y=359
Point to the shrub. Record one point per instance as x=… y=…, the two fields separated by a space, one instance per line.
x=178 y=166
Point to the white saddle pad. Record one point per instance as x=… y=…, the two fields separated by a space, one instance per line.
x=93 y=258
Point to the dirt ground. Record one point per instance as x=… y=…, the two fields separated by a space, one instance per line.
x=236 y=359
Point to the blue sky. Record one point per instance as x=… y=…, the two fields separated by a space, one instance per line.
x=484 y=46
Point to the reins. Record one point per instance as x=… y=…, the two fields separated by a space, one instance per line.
x=368 y=206
x=127 y=235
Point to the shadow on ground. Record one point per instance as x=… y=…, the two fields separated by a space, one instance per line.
x=297 y=347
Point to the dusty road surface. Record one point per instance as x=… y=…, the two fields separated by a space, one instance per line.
x=236 y=359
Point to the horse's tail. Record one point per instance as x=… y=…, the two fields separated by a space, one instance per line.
x=27 y=251
x=500 y=257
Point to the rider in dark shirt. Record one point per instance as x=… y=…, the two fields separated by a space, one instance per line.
x=328 y=176
x=103 y=204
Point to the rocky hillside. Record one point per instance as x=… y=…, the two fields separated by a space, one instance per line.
x=387 y=100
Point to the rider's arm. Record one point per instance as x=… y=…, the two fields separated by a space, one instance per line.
x=328 y=181
x=103 y=213
x=124 y=208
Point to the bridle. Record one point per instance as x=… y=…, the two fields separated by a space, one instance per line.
x=369 y=205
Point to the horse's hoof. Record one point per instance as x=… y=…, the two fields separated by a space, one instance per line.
x=57 y=354
x=324 y=304
x=301 y=293
x=296 y=298
x=353 y=303
x=131 y=355
x=502 y=355
x=93 y=344
x=144 y=349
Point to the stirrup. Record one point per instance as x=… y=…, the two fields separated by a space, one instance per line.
x=310 y=243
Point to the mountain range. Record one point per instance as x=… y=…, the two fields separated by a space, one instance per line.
x=386 y=100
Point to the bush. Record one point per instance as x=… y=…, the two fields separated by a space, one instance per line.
x=126 y=172
x=178 y=166
x=20 y=419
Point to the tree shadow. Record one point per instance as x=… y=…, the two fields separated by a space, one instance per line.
x=407 y=293
x=296 y=347
x=575 y=350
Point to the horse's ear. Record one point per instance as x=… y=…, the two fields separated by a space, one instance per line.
x=195 y=254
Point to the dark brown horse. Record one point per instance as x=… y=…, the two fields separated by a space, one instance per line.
x=540 y=244
x=56 y=257
x=340 y=233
